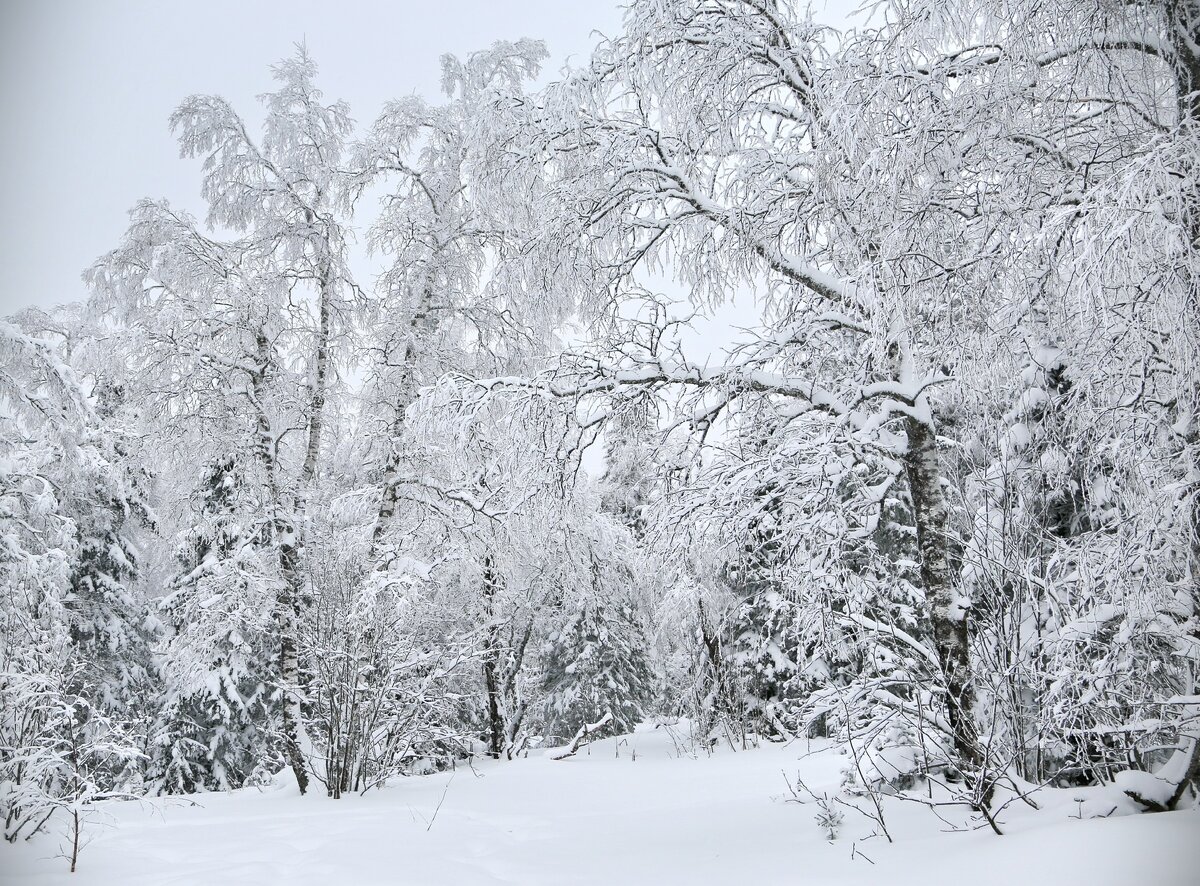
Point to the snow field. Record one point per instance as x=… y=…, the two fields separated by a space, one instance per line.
x=638 y=809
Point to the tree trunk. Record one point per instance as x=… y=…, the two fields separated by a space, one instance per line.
x=1183 y=33
x=390 y=494
x=514 y=704
x=491 y=662
x=291 y=582
x=1183 y=36
x=319 y=389
x=420 y=323
x=948 y=612
x=287 y=617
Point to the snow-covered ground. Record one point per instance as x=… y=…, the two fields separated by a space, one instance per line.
x=633 y=810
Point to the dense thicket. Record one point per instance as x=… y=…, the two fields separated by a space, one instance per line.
x=939 y=499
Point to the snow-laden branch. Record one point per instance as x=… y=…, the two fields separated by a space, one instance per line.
x=586 y=733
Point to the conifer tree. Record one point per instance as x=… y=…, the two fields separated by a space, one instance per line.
x=596 y=664
x=214 y=729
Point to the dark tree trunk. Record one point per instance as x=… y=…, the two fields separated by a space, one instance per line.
x=491 y=662
x=1183 y=32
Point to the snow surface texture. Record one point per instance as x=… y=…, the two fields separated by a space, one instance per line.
x=606 y=816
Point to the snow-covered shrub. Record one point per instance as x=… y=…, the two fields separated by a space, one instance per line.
x=385 y=672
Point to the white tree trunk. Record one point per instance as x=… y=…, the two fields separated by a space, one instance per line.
x=291 y=582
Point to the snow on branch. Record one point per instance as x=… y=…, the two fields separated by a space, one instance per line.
x=585 y=735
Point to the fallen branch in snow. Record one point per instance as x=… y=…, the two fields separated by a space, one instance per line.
x=1163 y=791
x=583 y=736
x=783 y=731
x=438 y=809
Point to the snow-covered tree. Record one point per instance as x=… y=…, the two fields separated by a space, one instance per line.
x=245 y=327
x=720 y=141
x=436 y=309
x=220 y=703
x=598 y=663
x=59 y=746
x=940 y=498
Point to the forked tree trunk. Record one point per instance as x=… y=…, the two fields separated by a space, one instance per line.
x=514 y=704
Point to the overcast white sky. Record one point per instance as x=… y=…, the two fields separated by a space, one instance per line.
x=86 y=88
